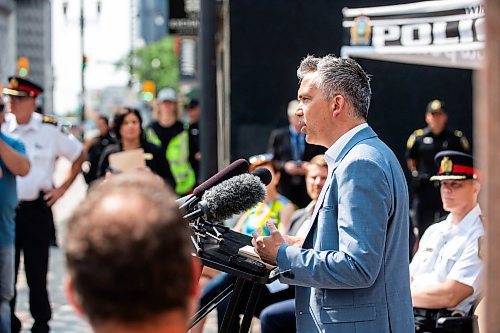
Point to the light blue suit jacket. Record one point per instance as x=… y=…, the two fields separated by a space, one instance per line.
x=352 y=274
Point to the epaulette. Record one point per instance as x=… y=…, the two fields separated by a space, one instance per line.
x=419 y=132
x=49 y=120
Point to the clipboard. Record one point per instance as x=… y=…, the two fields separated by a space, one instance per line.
x=127 y=160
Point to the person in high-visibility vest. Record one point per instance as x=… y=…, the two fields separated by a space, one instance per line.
x=171 y=135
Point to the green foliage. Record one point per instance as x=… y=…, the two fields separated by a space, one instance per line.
x=156 y=62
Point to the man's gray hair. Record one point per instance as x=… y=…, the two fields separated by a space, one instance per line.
x=342 y=76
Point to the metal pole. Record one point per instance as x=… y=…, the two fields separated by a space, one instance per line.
x=487 y=139
x=82 y=49
x=131 y=53
x=208 y=122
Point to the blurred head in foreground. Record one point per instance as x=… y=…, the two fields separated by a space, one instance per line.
x=128 y=257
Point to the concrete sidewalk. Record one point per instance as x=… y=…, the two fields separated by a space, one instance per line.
x=64 y=319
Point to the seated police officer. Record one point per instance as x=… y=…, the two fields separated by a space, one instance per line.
x=446 y=268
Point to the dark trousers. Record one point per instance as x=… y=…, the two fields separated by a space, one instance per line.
x=279 y=318
x=33 y=222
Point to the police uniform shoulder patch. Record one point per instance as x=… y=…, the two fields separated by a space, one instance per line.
x=411 y=141
x=413 y=137
x=465 y=143
x=463 y=140
x=480 y=247
x=49 y=120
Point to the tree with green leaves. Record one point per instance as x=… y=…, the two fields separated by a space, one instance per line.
x=156 y=61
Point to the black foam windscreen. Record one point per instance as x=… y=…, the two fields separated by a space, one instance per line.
x=264 y=174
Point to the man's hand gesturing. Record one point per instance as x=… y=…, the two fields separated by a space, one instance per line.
x=267 y=246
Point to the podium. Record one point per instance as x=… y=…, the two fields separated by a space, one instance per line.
x=217 y=247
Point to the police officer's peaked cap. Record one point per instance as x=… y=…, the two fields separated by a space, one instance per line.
x=435 y=106
x=22 y=87
x=454 y=165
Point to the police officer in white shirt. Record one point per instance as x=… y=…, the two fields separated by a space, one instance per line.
x=44 y=142
x=445 y=272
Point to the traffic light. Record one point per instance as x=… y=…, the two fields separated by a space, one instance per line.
x=148 y=90
x=84 y=62
x=23 y=66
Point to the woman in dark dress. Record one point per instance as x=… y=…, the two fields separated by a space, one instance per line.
x=130 y=135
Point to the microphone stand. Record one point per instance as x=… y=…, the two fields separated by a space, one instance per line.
x=217 y=247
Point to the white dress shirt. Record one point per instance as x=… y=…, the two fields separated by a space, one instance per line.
x=449 y=251
x=44 y=143
x=333 y=152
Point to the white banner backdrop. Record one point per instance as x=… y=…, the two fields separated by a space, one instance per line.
x=446 y=33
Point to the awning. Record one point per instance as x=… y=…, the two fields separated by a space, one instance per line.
x=446 y=33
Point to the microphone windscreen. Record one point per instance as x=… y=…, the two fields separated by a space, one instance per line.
x=234 y=169
x=264 y=174
x=233 y=196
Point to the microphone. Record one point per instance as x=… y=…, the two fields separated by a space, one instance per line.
x=264 y=174
x=236 y=168
x=232 y=196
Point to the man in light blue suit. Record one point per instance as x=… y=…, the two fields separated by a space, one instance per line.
x=351 y=270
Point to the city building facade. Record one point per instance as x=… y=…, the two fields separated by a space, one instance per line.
x=34 y=41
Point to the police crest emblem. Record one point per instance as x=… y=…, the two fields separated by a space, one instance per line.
x=446 y=165
x=361 y=31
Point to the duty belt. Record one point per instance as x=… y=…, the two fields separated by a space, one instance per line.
x=432 y=313
x=30 y=203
